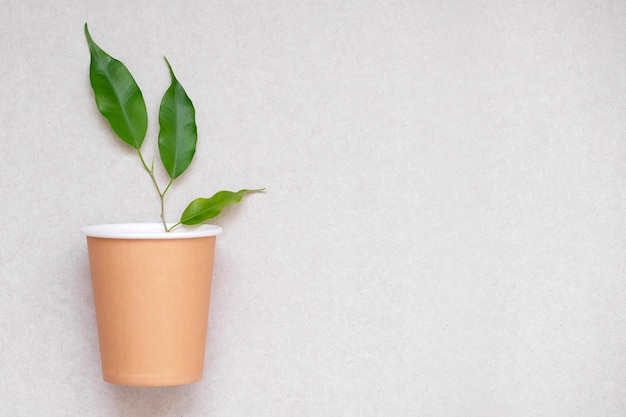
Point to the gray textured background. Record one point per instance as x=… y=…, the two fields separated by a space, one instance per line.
x=443 y=232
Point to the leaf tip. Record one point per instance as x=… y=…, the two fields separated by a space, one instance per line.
x=169 y=66
x=86 y=29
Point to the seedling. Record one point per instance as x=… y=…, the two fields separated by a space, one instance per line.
x=121 y=102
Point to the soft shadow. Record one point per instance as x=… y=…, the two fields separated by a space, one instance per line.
x=176 y=400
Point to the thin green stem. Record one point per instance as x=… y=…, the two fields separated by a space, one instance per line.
x=176 y=225
x=150 y=172
x=167 y=188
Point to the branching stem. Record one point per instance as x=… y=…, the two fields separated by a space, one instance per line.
x=150 y=172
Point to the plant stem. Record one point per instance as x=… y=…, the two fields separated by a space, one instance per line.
x=150 y=172
x=168 y=187
x=176 y=225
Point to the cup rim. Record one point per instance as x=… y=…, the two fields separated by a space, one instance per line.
x=149 y=231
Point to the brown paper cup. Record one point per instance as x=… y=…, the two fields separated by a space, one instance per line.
x=151 y=292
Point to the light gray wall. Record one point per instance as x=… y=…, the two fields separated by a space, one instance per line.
x=443 y=232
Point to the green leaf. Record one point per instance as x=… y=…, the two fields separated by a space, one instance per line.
x=118 y=97
x=202 y=209
x=178 y=133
